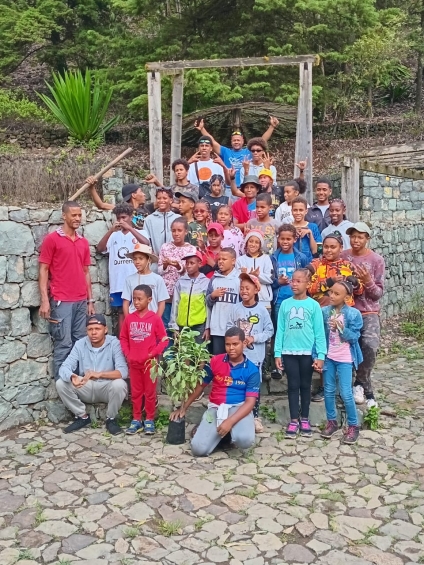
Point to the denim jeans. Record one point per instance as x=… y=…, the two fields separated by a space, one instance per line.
x=332 y=369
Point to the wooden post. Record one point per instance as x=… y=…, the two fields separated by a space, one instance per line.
x=177 y=119
x=350 y=187
x=303 y=149
x=155 y=124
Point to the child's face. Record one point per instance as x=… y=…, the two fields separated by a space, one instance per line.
x=336 y=213
x=358 y=240
x=323 y=192
x=185 y=205
x=214 y=239
x=253 y=245
x=140 y=300
x=140 y=261
x=257 y=153
x=180 y=172
x=216 y=188
x=178 y=233
x=266 y=182
x=250 y=190
x=338 y=295
x=192 y=266
x=226 y=262
x=124 y=218
x=290 y=194
x=331 y=249
x=224 y=217
x=299 y=283
x=262 y=210
x=163 y=201
x=299 y=211
x=247 y=290
x=286 y=241
x=201 y=213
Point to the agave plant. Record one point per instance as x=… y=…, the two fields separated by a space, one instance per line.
x=80 y=103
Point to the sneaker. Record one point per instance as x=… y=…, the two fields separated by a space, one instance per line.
x=305 y=428
x=135 y=427
x=371 y=402
x=358 y=394
x=77 y=424
x=113 y=427
x=149 y=427
x=351 y=435
x=319 y=395
x=259 y=427
x=292 y=429
x=330 y=429
x=276 y=375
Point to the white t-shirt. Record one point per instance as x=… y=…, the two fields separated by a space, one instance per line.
x=120 y=267
x=283 y=214
x=206 y=170
x=256 y=169
x=323 y=208
x=153 y=280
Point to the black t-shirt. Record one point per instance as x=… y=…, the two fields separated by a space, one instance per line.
x=215 y=202
x=277 y=197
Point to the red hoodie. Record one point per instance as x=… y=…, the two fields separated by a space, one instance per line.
x=142 y=338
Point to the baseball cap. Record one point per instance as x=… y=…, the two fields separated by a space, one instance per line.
x=189 y=195
x=96 y=319
x=205 y=139
x=251 y=278
x=359 y=226
x=217 y=227
x=129 y=189
x=266 y=172
x=197 y=254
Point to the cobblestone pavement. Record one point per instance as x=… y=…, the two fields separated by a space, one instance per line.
x=94 y=500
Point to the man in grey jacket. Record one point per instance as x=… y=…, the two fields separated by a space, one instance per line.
x=101 y=375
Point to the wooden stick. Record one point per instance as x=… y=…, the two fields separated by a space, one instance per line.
x=98 y=175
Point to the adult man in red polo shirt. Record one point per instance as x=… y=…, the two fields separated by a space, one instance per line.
x=64 y=261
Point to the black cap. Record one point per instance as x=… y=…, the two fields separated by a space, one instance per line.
x=189 y=195
x=205 y=139
x=129 y=189
x=96 y=319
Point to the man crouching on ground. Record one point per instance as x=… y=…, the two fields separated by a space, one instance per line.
x=99 y=360
x=235 y=388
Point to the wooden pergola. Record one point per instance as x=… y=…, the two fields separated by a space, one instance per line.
x=176 y=68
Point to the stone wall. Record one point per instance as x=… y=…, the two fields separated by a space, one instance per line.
x=27 y=391
x=394 y=208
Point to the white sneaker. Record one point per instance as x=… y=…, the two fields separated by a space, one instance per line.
x=259 y=428
x=371 y=402
x=358 y=394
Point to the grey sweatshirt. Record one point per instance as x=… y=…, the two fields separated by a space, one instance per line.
x=255 y=321
x=84 y=356
x=158 y=226
x=221 y=307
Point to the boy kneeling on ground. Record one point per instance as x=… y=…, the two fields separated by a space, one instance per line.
x=235 y=388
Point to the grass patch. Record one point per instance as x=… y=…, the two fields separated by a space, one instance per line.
x=333 y=496
x=268 y=413
x=201 y=522
x=162 y=419
x=372 y=418
x=247 y=492
x=168 y=529
x=25 y=554
x=34 y=448
x=125 y=415
x=131 y=533
x=39 y=515
x=279 y=436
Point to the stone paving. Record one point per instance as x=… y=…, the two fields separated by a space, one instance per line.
x=91 y=499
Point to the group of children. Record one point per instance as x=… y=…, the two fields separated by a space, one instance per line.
x=240 y=266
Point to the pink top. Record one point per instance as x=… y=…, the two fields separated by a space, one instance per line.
x=338 y=350
x=173 y=253
x=233 y=237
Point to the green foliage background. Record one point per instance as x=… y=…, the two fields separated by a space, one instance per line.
x=368 y=49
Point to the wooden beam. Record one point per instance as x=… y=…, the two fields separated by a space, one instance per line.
x=240 y=62
x=155 y=125
x=350 y=187
x=177 y=119
x=391 y=170
x=303 y=149
x=393 y=149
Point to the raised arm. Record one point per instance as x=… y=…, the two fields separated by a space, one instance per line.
x=98 y=202
x=273 y=123
x=200 y=125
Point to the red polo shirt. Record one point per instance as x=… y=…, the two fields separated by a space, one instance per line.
x=66 y=260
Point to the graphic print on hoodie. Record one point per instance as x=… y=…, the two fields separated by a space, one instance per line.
x=220 y=307
x=142 y=338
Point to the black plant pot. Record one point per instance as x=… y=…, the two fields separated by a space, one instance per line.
x=176 y=432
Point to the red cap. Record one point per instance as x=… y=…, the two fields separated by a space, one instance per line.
x=217 y=227
x=197 y=254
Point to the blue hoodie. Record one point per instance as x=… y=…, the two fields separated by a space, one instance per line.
x=283 y=292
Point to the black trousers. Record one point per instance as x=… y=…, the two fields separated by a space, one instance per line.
x=299 y=379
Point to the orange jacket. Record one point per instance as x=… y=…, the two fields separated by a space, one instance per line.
x=321 y=280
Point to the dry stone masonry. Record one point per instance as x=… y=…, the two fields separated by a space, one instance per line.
x=27 y=391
